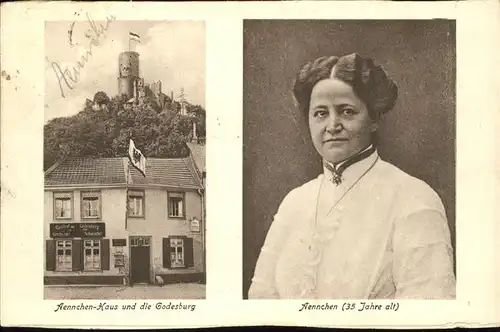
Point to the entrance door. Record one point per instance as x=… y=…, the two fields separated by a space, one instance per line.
x=139 y=259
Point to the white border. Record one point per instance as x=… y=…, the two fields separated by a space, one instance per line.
x=22 y=50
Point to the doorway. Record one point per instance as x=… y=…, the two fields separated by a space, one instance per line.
x=140 y=256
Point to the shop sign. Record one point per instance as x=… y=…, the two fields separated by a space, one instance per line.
x=195 y=225
x=119 y=242
x=119 y=259
x=71 y=230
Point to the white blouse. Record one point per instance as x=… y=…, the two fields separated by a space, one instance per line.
x=379 y=234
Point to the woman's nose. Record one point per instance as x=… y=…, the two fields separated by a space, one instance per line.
x=334 y=123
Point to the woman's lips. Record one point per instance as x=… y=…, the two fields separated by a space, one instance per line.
x=335 y=140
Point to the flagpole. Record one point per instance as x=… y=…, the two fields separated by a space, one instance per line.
x=126 y=194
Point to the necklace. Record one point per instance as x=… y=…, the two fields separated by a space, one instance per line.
x=343 y=195
x=312 y=289
x=339 y=168
x=318 y=242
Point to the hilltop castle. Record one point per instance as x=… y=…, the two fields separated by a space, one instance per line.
x=132 y=85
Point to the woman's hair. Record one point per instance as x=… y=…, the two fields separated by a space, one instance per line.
x=369 y=81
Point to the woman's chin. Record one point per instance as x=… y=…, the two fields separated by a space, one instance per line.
x=334 y=156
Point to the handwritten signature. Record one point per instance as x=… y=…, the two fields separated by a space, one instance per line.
x=68 y=77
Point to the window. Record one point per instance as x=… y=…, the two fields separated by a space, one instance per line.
x=136 y=203
x=63 y=205
x=92 y=255
x=91 y=205
x=177 y=252
x=139 y=241
x=63 y=253
x=176 y=205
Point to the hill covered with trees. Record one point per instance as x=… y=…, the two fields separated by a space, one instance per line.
x=105 y=125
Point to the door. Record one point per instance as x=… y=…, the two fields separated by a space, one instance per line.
x=139 y=259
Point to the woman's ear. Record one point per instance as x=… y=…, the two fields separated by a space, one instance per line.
x=375 y=121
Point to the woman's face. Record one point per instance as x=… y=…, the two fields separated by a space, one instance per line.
x=339 y=121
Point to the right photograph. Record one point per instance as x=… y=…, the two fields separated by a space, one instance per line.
x=349 y=159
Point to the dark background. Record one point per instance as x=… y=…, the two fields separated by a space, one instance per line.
x=418 y=135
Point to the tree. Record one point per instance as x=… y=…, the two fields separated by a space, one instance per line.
x=106 y=132
x=101 y=98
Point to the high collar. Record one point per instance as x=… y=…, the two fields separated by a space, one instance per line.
x=354 y=170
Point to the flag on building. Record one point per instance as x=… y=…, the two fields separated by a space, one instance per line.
x=137 y=158
x=135 y=37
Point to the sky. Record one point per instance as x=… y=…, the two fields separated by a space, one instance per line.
x=170 y=51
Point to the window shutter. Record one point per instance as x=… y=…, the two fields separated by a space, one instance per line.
x=166 y=253
x=188 y=252
x=105 y=254
x=50 y=255
x=77 y=255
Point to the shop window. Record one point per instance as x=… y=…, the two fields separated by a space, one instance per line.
x=91 y=205
x=63 y=205
x=92 y=255
x=64 y=254
x=77 y=255
x=136 y=204
x=176 y=205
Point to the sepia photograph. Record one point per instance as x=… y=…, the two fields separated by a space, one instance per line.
x=124 y=159
x=349 y=159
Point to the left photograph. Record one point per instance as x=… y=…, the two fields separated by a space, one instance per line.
x=124 y=159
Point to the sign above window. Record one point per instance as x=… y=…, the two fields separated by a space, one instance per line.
x=119 y=242
x=72 y=230
x=140 y=241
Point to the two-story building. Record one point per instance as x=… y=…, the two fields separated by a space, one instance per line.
x=106 y=223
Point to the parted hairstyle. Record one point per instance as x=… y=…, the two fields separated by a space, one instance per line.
x=368 y=80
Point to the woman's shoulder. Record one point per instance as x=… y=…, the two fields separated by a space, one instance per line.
x=411 y=191
x=302 y=193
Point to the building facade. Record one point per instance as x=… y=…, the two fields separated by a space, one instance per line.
x=106 y=223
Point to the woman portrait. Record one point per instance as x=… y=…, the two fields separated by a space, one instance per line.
x=362 y=227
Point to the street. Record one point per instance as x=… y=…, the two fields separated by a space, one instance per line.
x=170 y=291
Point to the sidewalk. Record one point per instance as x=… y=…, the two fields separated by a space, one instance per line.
x=171 y=291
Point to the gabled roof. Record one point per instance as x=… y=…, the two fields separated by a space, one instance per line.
x=198 y=153
x=176 y=172
x=169 y=172
x=81 y=171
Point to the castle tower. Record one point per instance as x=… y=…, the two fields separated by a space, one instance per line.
x=182 y=100
x=128 y=73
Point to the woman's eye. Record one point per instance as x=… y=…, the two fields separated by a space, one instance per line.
x=320 y=113
x=348 y=111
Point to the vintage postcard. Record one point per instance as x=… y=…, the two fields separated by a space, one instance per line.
x=293 y=163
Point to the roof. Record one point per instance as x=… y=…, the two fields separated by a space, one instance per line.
x=177 y=172
x=198 y=153
x=78 y=171
x=169 y=172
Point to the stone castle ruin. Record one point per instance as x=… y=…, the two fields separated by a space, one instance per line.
x=132 y=85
